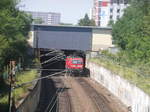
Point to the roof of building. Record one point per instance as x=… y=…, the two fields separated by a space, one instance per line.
x=72 y=26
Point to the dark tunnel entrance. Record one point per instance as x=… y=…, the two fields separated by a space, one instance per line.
x=53 y=60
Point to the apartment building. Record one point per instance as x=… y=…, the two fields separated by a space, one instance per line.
x=105 y=10
x=48 y=18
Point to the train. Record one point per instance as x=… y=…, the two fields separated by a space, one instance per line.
x=75 y=64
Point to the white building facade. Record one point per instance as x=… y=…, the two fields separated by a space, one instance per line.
x=107 y=10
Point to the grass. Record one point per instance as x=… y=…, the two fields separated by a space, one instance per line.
x=125 y=72
x=19 y=92
x=22 y=78
x=4 y=103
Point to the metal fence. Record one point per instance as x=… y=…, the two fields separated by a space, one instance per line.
x=5 y=74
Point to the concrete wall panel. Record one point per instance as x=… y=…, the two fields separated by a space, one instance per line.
x=31 y=102
x=128 y=93
x=101 y=40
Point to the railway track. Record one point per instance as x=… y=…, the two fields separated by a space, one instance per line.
x=47 y=91
x=63 y=98
x=73 y=94
x=100 y=102
x=67 y=106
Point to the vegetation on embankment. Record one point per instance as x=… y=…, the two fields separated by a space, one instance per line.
x=127 y=73
x=14 y=28
x=131 y=34
x=20 y=92
x=26 y=76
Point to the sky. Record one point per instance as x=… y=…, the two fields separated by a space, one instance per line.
x=71 y=10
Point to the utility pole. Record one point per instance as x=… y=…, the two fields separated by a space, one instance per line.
x=10 y=86
x=11 y=80
x=37 y=43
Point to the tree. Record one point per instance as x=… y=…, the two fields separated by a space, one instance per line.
x=92 y=23
x=132 y=32
x=67 y=24
x=86 y=21
x=111 y=23
x=14 y=27
x=38 y=21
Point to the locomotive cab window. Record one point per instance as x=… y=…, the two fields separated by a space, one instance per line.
x=77 y=62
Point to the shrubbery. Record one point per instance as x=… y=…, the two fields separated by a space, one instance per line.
x=131 y=34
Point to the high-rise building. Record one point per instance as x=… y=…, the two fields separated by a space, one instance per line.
x=107 y=10
x=49 y=18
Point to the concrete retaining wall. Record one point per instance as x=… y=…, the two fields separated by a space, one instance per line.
x=32 y=100
x=128 y=93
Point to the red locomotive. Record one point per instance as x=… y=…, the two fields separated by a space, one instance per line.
x=74 y=64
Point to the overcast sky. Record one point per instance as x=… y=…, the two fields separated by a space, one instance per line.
x=71 y=10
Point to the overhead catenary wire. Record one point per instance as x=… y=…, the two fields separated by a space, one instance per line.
x=20 y=85
x=54 y=61
x=54 y=58
x=57 y=105
x=58 y=57
x=56 y=99
x=47 y=54
x=56 y=95
x=53 y=104
x=51 y=69
x=51 y=59
x=47 y=64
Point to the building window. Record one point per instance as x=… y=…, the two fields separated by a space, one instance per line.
x=118 y=2
x=111 y=3
x=111 y=16
x=118 y=10
x=99 y=17
x=125 y=1
x=99 y=3
x=117 y=17
x=99 y=23
x=111 y=10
